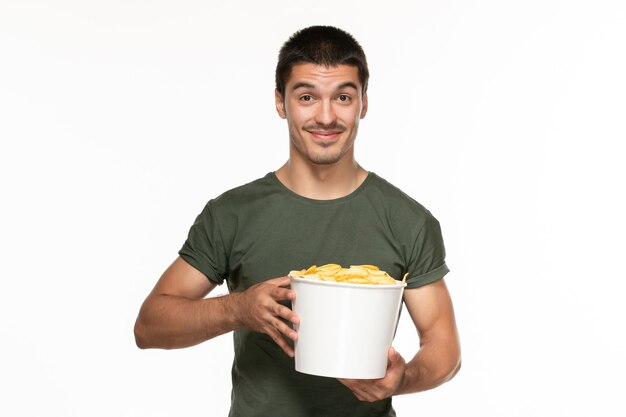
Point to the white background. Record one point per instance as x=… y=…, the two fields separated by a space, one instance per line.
x=120 y=119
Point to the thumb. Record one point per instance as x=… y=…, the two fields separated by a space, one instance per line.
x=392 y=355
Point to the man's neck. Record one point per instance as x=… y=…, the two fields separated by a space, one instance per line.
x=322 y=182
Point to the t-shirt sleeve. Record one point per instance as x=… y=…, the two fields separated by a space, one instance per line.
x=427 y=260
x=204 y=247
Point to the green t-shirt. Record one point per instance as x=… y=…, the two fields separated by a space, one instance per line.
x=263 y=230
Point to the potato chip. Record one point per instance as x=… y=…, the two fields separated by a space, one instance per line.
x=371 y=267
x=356 y=274
x=326 y=278
x=330 y=267
x=297 y=274
x=328 y=270
x=359 y=281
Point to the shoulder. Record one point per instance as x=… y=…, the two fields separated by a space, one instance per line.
x=226 y=211
x=248 y=193
x=397 y=202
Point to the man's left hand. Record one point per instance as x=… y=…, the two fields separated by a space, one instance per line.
x=377 y=389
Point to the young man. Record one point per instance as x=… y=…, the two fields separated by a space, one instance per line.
x=319 y=207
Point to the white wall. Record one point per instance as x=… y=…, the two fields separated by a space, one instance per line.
x=120 y=119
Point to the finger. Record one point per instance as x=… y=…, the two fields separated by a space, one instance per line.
x=280 y=293
x=366 y=396
x=278 y=338
x=285 y=329
x=280 y=281
x=359 y=396
x=392 y=356
x=285 y=313
x=356 y=386
x=395 y=357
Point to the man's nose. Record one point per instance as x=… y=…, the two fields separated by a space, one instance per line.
x=326 y=113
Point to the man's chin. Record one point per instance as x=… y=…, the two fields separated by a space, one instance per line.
x=329 y=157
x=325 y=159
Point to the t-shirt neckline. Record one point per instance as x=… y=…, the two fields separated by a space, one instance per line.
x=348 y=197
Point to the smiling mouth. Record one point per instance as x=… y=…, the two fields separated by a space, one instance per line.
x=325 y=134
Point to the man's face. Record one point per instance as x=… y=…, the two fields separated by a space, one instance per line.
x=322 y=106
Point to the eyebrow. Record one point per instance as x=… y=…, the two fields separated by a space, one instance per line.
x=348 y=84
x=303 y=84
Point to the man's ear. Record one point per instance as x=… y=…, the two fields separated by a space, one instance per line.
x=364 y=105
x=280 y=104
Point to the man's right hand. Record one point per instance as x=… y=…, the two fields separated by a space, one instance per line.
x=258 y=309
x=176 y=314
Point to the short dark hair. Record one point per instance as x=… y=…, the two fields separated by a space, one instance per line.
x=322 y=45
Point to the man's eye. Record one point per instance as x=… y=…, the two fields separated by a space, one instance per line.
x=306 y=97
x=344 y=97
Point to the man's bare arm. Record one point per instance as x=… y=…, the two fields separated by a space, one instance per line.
x=176 y=314
x=439 y=356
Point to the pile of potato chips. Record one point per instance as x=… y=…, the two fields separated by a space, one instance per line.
x=356 y=274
